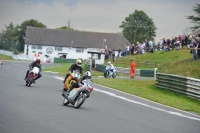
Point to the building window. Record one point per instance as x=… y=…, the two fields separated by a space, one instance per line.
x=36 y=46
x=39 y=46
x=33 y=47
x=58 y=48
x=79 y=50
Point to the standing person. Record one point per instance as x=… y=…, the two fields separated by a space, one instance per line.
x=132 y=49
x=197 y=39
x=119 y=52
x=133 y=67
x=113 y=56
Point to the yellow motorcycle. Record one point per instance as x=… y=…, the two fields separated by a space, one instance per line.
x=71 y=79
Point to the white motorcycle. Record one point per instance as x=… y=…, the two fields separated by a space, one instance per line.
x=77 y=96
x=31 y=76
x=110 y=73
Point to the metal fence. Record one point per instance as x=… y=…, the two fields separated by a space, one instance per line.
x=184 y=85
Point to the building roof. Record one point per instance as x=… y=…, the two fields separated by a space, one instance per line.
x=71 y=38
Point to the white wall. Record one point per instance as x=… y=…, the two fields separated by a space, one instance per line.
x=71 y=53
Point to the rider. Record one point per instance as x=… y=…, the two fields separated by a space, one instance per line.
x=79 y=83
x=110 y=66
x=76 y=66
x=37 y=64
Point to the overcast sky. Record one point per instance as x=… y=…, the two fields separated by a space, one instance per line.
x=169 y=16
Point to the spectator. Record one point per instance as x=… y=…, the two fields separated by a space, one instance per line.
x=113 y=55
x=132 y=49
x=128 y=50
x=194 y=50
x=119 y=51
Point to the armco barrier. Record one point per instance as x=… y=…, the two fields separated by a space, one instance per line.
x=126 y=71
x=147 y=73
x=184 y=85
x=64 y=60
x=100 y=67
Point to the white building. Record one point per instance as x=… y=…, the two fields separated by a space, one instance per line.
x=56 y=43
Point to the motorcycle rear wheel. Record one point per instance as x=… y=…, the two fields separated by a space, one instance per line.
x=80 y=100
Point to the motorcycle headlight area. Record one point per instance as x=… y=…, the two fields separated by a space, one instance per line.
x=89 y=88
x=76 y=75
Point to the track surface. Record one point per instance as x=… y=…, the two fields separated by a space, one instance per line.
x=39 y=109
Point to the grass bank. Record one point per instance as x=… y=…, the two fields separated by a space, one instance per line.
x=4 y=57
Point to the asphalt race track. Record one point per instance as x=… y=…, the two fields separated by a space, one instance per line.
x=39 y=109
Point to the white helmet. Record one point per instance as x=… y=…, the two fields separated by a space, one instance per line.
x=109 y=63
x=88 y=74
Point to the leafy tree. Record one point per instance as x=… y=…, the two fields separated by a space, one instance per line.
x=65 y=28
x=22 y=29
x=195 y=19
x=9 y=38
x=138 y=27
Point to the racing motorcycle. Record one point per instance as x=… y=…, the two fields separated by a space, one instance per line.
x=77 y=96
x=0 y=63
x=110 y=73
x=71 y=79
x=31 y=76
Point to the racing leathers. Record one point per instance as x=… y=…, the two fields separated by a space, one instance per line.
x=31 y=66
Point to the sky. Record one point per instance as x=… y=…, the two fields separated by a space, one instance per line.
x=169 y=16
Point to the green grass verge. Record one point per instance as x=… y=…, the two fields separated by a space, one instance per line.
x=63 y=69
x=4 y=57
x=147 y=89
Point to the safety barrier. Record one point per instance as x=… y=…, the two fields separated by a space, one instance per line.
x=64 y=60
x=184 y=85
x=126 y=71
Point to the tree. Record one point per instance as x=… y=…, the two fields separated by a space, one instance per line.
x=138 y=27
x=22 y=29
x=9 y=38
x=195 y=19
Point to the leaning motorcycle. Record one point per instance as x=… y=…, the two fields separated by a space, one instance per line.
x=71 y=79
x=110 y=73
x=77 y=96
x=31 y=76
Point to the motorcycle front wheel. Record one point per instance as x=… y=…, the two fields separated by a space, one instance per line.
x=80 y=100
x=65 y=102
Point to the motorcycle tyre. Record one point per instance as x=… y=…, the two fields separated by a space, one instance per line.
x=27 y=82
x=81 y=102
x=105 y=75
x=30 y=82
x=65 y=103
x=114 y=75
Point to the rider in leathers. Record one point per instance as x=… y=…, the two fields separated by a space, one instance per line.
x=76 y=66
x=37 y=64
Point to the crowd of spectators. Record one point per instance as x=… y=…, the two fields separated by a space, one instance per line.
x=190 y=41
